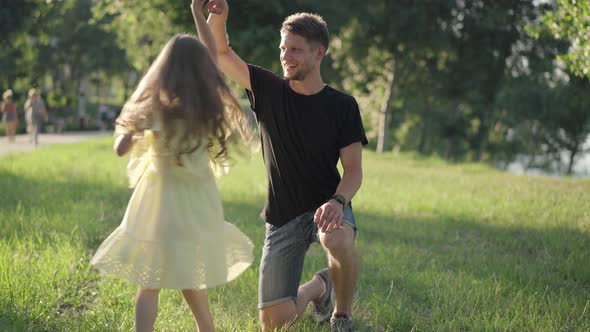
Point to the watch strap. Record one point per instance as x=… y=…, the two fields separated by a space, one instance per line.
x=340 y=199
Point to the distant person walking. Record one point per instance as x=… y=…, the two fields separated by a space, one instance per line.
x=9 y=116
x=82 y=110
x=35 y=114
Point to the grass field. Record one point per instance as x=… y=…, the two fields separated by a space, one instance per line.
x=443 y=247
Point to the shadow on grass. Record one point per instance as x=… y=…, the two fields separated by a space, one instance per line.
x=44 y=208
x=40 y=214
x=548 y=260
x=9 y=321
x=466 y=241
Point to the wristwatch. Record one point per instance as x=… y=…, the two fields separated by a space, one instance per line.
x=340 y=199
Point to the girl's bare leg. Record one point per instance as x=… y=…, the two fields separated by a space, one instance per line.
x=146 y=309
x=197 y=301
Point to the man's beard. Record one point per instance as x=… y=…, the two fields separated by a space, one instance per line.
x=300 y=74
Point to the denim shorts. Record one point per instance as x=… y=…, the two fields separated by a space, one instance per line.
x=283 y=253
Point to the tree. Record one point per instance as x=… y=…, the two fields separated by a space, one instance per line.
x=546 y=107
x=57 y=40
x=483 y=36
x=72 y=45
x=379 y=48
x=568 y=125
x=16 y=53
x=570 y=20
x=141 y=27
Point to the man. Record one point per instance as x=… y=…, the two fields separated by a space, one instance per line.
x=82 y=110
x=306 y=126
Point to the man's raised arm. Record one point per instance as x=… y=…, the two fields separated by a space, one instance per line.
x=228 y=61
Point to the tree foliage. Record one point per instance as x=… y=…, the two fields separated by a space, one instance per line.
x=461 y=79
x=571 y=21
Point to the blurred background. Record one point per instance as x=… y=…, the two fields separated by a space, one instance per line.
x=504 y=82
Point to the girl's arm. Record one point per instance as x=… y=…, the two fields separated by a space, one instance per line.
x=203 y=30
x=123 y=144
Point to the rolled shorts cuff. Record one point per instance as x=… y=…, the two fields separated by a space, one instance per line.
x=351 y=224
x=275 y=302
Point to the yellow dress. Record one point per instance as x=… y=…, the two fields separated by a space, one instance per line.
x=173 y=234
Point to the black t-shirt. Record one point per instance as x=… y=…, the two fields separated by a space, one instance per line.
x=301 y=138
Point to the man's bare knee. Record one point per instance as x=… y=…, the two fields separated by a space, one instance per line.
x=277 y=316
x=338 y=241
x=269 y=321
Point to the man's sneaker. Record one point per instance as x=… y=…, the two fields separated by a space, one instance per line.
x=341 y=323
x=322 y=307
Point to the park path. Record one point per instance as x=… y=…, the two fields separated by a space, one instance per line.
x=22 y=143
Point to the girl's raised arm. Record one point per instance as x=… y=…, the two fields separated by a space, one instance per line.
x=203 y=30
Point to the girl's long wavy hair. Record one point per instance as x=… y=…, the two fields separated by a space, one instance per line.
x=183 y=83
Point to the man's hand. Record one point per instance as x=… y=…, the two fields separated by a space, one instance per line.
x=329 y=216
x=197 y=5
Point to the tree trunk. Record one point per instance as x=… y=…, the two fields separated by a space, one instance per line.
x=55 y=82
x=125 y=90
x=54 y=74
x=482 y=136
x=454 y=133
x=424 y=135
x=453 y=148
x=384 y=112
x=98 y=95
x=572 y=159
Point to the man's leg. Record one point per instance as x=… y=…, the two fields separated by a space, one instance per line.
x=344 y=265
x=279 y=315
x=281 y=299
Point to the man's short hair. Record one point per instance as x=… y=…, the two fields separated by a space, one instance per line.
x=312 y=27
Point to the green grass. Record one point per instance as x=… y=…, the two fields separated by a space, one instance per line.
x=443 y=247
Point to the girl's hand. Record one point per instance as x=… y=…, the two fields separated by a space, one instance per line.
x=123 y=144
x=212 y=6
x=217 y=7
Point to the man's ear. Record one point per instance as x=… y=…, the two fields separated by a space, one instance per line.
x=321 y=52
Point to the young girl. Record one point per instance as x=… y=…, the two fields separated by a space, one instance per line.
x=173 y=234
